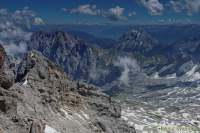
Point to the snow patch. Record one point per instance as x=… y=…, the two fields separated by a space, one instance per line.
x=67 y=115
x=25 y=82
x=139 y=127
x=160 y=110
x=131 y=123
x=85 y=115
x=195 y=76
x=171 y=76
x=192 y=71
x=49 y=129
x=156 y=76
x=186 y=115
x=192 y=74
x=80 y=116
x=124 y=118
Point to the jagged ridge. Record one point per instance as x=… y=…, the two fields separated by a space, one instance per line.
x=44 y=99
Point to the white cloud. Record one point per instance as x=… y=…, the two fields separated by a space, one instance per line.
x=113 y=14
x=116 y=13
x=14 y=49
x=177 y=5
x=13 y=29
x=128 y=65
x=193 y=6
x=189 y=6
x=38 y=21
x=9 y=31
x=86 y=9
x=154 y=6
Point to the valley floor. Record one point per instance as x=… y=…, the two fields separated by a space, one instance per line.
x=172 y=110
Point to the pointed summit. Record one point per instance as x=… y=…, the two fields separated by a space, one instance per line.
x=136 y=41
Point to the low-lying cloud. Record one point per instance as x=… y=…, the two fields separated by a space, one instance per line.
x=14 y=28
x=15 y=49
x=128 y=65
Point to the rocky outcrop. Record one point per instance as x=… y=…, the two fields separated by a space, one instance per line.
x=45 y=100
x=136 y=41
x=6 y=73
x=79 y=60
x=69 y=52
x=178 y=58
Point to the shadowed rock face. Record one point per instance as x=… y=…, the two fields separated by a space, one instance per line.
x=67 y=51
x=76 y=57
x=6 y=74
x=2 y=56
x=44 y=99
x=136 y=41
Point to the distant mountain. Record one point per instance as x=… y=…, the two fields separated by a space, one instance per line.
x=137 y=57
x=164 y=33
x=94 y=41
x=78 y=58
x=168 y=34
x=72 y=53
x=181 y=56
x=158 y=82
x=107 y=68
x=136 y=41
x=189 y=47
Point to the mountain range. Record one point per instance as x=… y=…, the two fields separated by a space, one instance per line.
x=146 y=73
x=101 y=67
x=38 y=97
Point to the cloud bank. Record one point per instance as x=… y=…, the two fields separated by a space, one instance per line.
x=14 y=29
x=113 y=14
x=189 y=6
x=154 y=6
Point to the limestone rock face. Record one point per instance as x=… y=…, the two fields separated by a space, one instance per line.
x=2 y=56
x=6 y=74
x=79 y=60
x=136 y=41
x=45 y=100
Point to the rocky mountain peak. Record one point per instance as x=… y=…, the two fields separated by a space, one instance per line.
x=57 y=36
x=133 y=33
x=45 y=100
x=136 y=41
x=65 y=50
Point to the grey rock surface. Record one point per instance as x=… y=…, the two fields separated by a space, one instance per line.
x=6 y=73
x=45 y=100
x=136 y=41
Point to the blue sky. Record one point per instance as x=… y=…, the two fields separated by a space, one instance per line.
x=110 y=11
